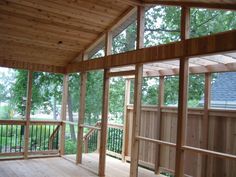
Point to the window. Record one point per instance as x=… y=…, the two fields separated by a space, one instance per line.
x=208 y=21
x=162 y=25
x=171 y=90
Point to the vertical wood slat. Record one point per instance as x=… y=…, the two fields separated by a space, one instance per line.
x=125 y=129
x=160 y=103
x=63 y=113
x=27 y=115
x=183 y=97
x=205 y=122
x=137 y=96
x=83 y=79
x=105 y=104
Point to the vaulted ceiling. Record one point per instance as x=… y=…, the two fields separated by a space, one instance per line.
x=54 y=32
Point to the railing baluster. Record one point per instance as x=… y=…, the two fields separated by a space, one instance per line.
x=49 y=134
x=31 y=137
x=6 y=138
x=1 y=138
x=40 y=136
x=11 y=137
x=16 y=137
x=36 y=137
x=44 y=142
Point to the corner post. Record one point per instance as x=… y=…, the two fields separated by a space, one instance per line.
x=27 y=115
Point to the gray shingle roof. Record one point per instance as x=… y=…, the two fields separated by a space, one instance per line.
x=224 y=87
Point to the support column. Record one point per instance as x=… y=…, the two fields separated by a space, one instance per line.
x=205 y=122
x=27 y=114
x=160 y=104
x=105 y=110
x=125 y=127
x=63 y=114
x=183 y=96
x=137 y=96
x=83 y=79
x=136 y=120
x=103 y=139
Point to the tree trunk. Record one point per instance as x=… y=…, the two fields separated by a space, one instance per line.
x=70 y=113
x=54 y=108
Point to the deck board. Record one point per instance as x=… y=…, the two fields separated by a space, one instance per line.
x=61 y=167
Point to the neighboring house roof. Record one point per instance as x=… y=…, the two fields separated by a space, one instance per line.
x=223 y=91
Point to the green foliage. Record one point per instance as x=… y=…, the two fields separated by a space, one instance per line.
x=70 y=146
x=5 y=112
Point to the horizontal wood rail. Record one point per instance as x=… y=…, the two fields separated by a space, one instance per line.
x=12 y=122
x=209 y=152
x=121 y=73
x=156 y=141
x=89 y=126
x=45 y=122
x=70 y=123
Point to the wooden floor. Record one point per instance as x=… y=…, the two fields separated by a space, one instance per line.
x=61 y=167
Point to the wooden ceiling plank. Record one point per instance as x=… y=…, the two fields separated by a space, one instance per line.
x=132 y=2
x=63 y=10
x=35 y=42
x=37 y=26
x=50 y=18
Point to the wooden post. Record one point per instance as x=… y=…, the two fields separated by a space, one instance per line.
x=125 y=128
x=83 y=79
x=160 y=104
x=136 y=120
x=63 y=114
x=205 y=122
x=137 y=96
x=103 y=140
x=103 y=135
x=27 y=114
x=183 y=97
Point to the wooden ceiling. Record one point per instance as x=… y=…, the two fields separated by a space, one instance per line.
x=54 y=32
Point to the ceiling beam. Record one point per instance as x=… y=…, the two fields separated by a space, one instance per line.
x=31 y=66
x=207 y=45
x=213 y=5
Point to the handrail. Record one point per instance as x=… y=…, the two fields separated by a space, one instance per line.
x=156 y=141
x=53 y=135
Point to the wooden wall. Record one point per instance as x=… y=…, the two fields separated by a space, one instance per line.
x=222 y=138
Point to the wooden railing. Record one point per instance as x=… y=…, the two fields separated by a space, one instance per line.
x=114 y=139
x=43 y=137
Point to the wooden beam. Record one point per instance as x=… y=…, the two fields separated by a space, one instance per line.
x=103 y=138
x=81 y=118
x=136 y=121
x=31 y=66
x=121 y=73
x=132 y=2
x=213 y=5
x=160 y=104
x=27 y=113
x=63 y=113
x=183 y=97
x=207 y=45
x=140 y=27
